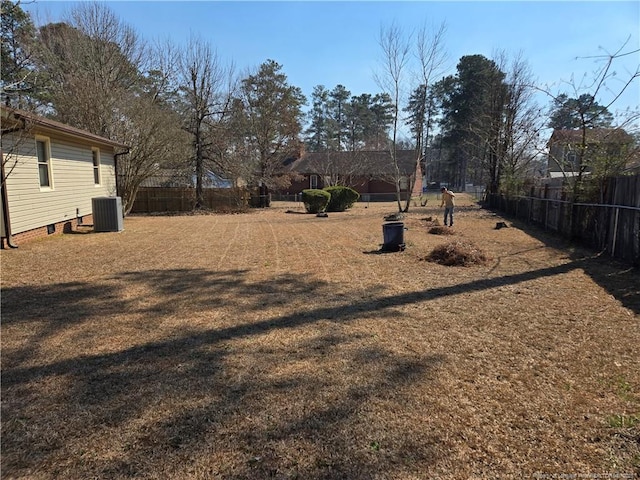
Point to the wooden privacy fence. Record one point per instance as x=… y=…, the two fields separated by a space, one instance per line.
x=612 y=226
x=157 y=200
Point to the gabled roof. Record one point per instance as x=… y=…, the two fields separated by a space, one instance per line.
x=593 y=135
x=369 y=162
x=23 y=119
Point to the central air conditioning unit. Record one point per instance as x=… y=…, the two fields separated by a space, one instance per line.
x=107 y=214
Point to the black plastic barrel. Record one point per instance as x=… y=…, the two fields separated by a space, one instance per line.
x=393 y=234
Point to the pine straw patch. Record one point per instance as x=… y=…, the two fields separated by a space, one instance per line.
x=436 y=228
x=458 y=253
x=269 y=345
x=441 y=230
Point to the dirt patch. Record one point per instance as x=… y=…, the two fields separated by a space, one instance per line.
x=441 y=230
x=270 y=345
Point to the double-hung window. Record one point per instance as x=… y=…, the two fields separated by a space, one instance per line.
x=96 y=165
x=313 y=181
x=44 y=161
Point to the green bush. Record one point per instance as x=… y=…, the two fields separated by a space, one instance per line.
x=342 y=198
x=315 y=201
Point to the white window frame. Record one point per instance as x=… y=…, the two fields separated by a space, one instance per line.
x=95 y=159
x=47 y=162
x=313 y=181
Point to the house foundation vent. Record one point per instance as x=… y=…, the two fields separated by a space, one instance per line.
x=107 y=214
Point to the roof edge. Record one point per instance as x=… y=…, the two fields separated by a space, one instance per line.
x=59 y=126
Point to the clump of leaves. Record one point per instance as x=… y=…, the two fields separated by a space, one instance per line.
x=458 y=253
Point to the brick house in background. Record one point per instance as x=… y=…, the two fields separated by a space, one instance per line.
x=52 y=171
x=370 y=173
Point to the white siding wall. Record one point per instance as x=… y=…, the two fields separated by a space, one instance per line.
x=71 y=177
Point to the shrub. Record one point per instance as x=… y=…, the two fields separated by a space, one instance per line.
x=342 y=198
x=315 y=201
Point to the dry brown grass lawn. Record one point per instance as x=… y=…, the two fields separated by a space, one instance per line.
x=283 y=345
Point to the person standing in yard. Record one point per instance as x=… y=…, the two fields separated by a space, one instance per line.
x=448 y=202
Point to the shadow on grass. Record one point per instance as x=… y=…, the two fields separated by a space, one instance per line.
x=228 y=393
x=380 y=251
x=250 y=395
x=617 y=278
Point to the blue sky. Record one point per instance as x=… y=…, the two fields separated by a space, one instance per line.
x=334 y=42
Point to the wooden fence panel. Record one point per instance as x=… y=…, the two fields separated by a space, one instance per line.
x=159 y=200
x=613 y=226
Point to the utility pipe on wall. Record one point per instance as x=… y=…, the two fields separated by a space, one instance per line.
x=5 y=204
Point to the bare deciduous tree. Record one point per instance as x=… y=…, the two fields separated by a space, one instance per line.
x=522 y=124
x=395 y=47
x=92 y=62
x=606 y=82
x=431 y=56
x=206 y=95
x=156 y=141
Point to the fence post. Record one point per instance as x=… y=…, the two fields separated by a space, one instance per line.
x=546 y=214
x=615 y=232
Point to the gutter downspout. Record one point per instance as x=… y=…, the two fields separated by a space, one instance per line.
x=115 y=166
x=5 y=205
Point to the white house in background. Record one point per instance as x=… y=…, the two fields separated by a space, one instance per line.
x=50 y=173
